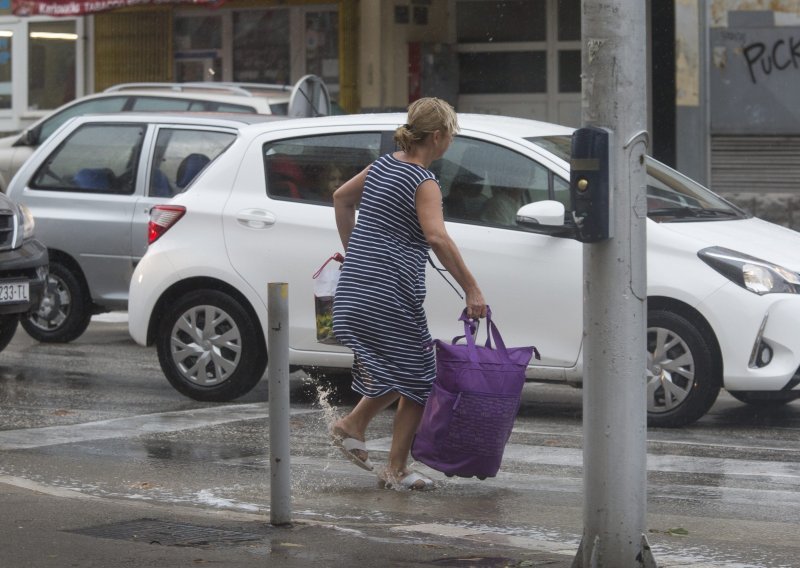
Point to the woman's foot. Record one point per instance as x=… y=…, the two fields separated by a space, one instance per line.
x=411 y=480
x=354 y=448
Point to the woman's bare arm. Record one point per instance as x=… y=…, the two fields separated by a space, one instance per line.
x=431 y=219
x=345 y=203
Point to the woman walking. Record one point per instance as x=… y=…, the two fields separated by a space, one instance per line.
x=378 y=309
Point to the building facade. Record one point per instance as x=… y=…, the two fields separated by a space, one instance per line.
x=722 y=73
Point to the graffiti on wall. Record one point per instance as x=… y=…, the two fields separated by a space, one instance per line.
x=763 y=59
x=754 y=78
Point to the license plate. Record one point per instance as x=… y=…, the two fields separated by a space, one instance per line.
x=14 y=292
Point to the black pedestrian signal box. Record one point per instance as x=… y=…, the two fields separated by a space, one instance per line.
x=590 y=184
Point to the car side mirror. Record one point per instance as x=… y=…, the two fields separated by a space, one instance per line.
x=29 y=137
x=545 y=217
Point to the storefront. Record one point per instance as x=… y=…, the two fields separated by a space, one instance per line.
x=46 y=60
x=41 y=66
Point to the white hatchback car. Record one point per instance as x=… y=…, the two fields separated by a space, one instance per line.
x=723 y=287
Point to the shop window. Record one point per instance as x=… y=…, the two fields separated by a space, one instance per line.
x=51 y=64
x=569 y=20
x=198 y=45
x=261 y=46
x=5 y=68
x=310 y=169
x=569 y=71
x=322 y=45
x=502 y=72
x=493 y=22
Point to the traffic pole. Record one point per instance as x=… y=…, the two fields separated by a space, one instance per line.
x=278 y=377
x=615 y=291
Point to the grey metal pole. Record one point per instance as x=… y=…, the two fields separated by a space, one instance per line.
x=278 y=376
x=614 y=392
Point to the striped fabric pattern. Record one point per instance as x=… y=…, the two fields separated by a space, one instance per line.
x=377 y=310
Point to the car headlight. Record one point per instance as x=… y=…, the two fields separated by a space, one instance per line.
x=758 y=276
x=26 y=221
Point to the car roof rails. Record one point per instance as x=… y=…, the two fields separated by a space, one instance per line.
x=247 y=86
x=180 y=87
x=309 y=96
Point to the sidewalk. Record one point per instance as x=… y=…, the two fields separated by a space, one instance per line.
x=46 y=527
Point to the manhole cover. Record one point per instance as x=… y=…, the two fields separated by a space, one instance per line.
x=152 y=531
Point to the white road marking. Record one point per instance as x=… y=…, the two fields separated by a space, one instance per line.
x=134 y=425
x=786 y=473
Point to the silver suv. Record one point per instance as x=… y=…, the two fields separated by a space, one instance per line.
x=308 y=97
x=23 y=267
x=91 y=186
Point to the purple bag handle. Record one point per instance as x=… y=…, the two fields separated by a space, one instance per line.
x=470 y=327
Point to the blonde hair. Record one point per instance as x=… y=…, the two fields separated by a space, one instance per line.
x=425 y=116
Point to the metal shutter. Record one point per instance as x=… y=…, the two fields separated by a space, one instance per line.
x=133 y=46
x=761 y=164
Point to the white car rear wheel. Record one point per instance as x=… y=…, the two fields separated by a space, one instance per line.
x=209 y=347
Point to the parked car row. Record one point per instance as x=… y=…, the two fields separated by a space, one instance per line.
x=185 y=219
x=308 y=97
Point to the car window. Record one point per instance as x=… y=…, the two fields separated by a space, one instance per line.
x=158 y=104
x=486 y=184
x=311 y=168
x=98 y=158
x=561 y=191
x=227 y=107
x=92 y=106
x=279 y=108
x=180 y=154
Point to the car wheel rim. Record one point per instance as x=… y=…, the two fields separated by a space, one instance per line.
x=670 y=370
x=54 y=307
x=206 y=345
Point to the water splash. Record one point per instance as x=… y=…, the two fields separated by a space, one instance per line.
x=305 y=480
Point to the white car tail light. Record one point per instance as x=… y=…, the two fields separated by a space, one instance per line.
x=162 y=217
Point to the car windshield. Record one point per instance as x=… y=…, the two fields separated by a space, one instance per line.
x=671 y=196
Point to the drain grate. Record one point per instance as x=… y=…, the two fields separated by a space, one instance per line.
x=153 y=531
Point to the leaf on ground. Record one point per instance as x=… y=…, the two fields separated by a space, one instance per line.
x=678 y=531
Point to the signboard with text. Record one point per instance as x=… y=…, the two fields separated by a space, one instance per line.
x=83 y=7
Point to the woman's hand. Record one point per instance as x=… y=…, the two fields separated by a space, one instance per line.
x=476 y=305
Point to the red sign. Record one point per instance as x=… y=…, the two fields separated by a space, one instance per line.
x=83 y=7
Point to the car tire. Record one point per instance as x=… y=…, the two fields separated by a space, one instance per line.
x=8 y=327
x=194 y=357
x=764 y=400
x=684 y=375
x=65 y=310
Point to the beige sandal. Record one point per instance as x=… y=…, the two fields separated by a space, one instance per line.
x=412 y=481
x=349 y=446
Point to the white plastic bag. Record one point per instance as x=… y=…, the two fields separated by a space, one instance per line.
x=325 y=281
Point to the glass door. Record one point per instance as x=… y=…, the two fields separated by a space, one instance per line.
x=7 y=37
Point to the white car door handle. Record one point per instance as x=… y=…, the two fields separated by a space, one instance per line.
x=256 y=218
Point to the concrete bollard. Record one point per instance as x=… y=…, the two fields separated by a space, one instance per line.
x=278 y=376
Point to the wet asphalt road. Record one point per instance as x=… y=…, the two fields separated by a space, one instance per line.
x=98 y=417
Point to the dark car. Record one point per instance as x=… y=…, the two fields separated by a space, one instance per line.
x=23 y=267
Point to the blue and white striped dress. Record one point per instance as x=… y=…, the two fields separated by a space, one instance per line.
x=377 y=310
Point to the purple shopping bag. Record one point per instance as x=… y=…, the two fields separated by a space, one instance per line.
x=471 y=409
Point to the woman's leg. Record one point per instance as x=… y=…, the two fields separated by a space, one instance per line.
x=355 y=424
x=406 y=420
